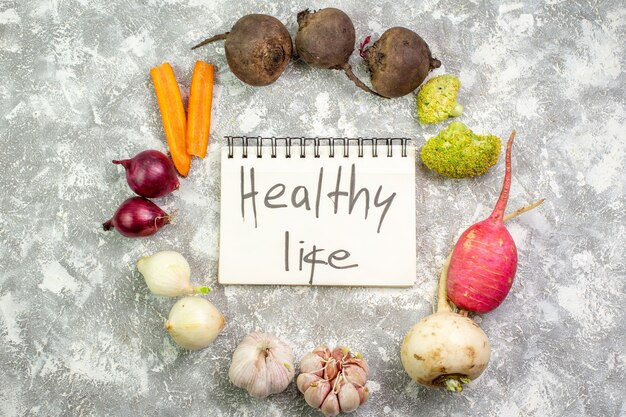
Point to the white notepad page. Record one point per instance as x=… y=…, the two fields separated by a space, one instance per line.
x=318 y=220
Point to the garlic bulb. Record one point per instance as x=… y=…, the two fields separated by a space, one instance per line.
x=333 y=381
x=194 y=323
x=167 y=273
x=262 y=365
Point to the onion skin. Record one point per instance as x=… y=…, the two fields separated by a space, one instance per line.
x=137 y=217
x=150 y=174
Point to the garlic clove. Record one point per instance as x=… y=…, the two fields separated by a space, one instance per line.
x=355 y=374
x=322 y=351
x=305 y=380
x=364 y=393
x=330 y=406
x=259 y=386
x=340 y=353
x=278 y=375
x=194 y=323
x=360 y=362
x=262 y=364
x=317 y=392
x=349 y=399
x=239 y=371
x=331 y=369
x=312 y=363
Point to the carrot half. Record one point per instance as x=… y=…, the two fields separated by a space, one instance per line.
x=173 y=115
x=199 y=109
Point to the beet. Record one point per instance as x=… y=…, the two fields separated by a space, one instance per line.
x=399 y=62
x=326 y=39
x=258 y=49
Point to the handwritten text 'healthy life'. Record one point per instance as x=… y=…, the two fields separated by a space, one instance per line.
x=343 y=197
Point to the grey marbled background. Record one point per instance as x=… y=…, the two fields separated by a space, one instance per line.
x=80 y=334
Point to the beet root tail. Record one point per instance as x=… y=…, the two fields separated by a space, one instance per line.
x=348 y=70
x=219 y=37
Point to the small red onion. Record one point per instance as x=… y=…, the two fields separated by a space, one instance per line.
x=137 y=217
x=150 y=174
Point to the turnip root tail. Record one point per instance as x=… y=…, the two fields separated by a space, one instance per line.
x=219 y=37
x=348 y=70
x=498 y=211
x=442 y=292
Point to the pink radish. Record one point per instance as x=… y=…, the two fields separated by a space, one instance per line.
x=484 y=259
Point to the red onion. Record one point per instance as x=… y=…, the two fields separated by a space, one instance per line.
x=150 y=174
x=137 y=217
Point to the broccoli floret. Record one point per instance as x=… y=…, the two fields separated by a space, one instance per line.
x=436 y=100
x=457 y=152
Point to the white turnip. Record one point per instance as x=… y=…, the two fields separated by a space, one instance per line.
x=445 y=349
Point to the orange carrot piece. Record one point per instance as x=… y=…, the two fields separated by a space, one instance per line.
x=173 y=115
x=199 y=109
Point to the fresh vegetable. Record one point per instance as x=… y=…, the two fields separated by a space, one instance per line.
x=333 y=381
x=484 y=259
x=445 y=349
x=457 y=152
x=258 y=49
x=167 y=273
x=436 y=100
x=194 y=323
x=325 y=39
x=173 y=115
x=262 y=365
x=137 y=217
x=150 y=174
x=199 y=109
x=398 y=62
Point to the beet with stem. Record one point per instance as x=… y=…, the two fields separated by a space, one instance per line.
x=399 y=62
x=326 y=39
x=258 y=49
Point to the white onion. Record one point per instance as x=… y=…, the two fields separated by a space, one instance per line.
x=194 y=323
x=167 y=273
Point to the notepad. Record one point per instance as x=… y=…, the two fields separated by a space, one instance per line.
x=297 y=211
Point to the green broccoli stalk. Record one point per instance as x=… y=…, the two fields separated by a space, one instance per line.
x=436 y=100
x=457 y=152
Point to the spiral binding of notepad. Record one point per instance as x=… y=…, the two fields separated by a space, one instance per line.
x=343 y=144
